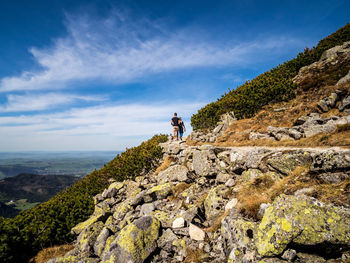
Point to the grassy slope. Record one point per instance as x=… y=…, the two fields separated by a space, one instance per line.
x=272 y=86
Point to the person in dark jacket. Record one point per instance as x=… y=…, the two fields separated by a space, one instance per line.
x=182 y=128
x=175 y=124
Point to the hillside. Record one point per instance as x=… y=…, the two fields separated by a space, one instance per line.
x=26 y=190
x=7 y=211
x=165 y=201
x=271 y=188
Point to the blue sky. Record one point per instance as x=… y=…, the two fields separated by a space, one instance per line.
x=105 y=75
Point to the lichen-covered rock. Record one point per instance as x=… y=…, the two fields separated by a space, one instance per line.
x=213 y=204
x=166 y=240
x=86 y=224
x=160 y=191
x=239 y=235
x=303 y=221
x=250 y=174
x=112 y=190
x=331 y=161
x=173 y=173
x=88 y=237
x=286 y=163
x=101 y=241
x=135 y=242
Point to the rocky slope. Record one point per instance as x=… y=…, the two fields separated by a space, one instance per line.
x=210 y=203
x=332 y=69
x=190 y=211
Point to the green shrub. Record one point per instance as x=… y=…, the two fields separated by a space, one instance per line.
x=272 y=86
x=49 y=223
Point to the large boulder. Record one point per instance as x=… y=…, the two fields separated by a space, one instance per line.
x=285 y=163
x=331 y=161
x=202 y=163
x=302 y=221
x=135 y=242
x=173 y=173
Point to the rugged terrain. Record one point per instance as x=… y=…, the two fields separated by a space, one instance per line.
x=274 y=189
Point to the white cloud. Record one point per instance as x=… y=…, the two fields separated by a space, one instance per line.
x=92 y=128
x=119 y=49
x=36 y=102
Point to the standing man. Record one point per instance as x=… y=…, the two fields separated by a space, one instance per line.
x=175 y=123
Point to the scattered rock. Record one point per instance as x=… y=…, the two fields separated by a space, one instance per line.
x=179 y=222
x=196 y=233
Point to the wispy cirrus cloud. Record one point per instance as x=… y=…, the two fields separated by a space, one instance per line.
x=120 y=49
x=44 y=101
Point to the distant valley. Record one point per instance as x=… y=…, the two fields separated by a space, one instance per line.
x=58 y=163
x=27 y=179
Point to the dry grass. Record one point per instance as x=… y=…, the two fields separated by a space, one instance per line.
x=343 y=127
x=338 y=194
x=179 y=188
x=168 y=160
x=201 y=199
x=216 y=223
x=193 y=255
x=284 y=114
x=52 y=252
x=264 y=189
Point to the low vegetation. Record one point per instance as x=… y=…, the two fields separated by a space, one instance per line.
x=272 y=86
x=49 y=223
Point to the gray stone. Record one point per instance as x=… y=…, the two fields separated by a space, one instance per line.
x=344 y=79
x=223 y=177
x=173 y=173
x=300 y=121
x=332 y=99
x=262 y=209
x=322 y=105
x=296 y=219
x=231 y=204
x=101 y=241
x=201 y=163
x=166 y=240
x=345 y=103
x=218 y=128
x=88 y=237
x=146 y=209
x=333 y=178
x=230 y=182
x=286 y=163
x=331 y=161
x=289 y=255
x=304 y=191
x=260 y=136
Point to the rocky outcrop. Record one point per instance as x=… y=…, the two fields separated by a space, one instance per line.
x=332 y=66
x=313 y=123
x=225 y=121
x=172 y=215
